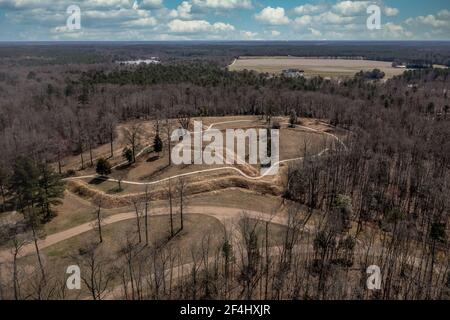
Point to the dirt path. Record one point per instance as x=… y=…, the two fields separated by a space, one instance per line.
x=268 y=172
x=223 y=214
x=220 y=213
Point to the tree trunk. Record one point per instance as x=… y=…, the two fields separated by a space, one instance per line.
x=59 y=164
x=99 y=222
x=430 y=279
x=111 y=134
x=169 y=141
x=138 y=223
x=15 y=280
x=171 y=210
x=92 y=280
x=82 y=159
x=35 y=240
x=181 y=209
x=146 y=223
x=2 y=190
x=90 y=154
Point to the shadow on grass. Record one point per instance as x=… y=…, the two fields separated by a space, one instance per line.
x=155 y=173
x=98 y=180
x=153 y=158
x=124 y=166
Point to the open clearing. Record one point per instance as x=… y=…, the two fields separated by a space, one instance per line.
x=313 y=67
x=207 y=187
x=71 y=229
x=211 y=209
x=312 y=136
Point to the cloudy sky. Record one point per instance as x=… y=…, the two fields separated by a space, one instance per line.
x=138 y=20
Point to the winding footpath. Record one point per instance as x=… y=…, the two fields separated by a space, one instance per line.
x=226 y=168
x=221 y=213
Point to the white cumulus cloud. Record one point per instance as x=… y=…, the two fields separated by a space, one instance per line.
x=198 y=26
x=304 y=20
x=249 y=34
x=440 y=20
x=183 y=11
x=309 y=9
x=223 y=4
x=350 y=8
x=390 y=12
x=146 y=4
x=273 y=16
x=332 y=18
x=142 y=22
x=275 y=33
x=315 y=32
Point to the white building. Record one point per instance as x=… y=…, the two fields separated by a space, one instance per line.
x=293 y=73
x=152 y=60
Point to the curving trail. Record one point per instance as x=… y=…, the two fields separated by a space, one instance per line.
x=225 y=168
x=223 y=214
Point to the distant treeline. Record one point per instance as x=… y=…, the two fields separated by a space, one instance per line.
x=222 y=52
x=205 y=74
x=199 y=74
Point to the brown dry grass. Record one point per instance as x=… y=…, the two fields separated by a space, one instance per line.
x=91 y=193
x=196 y=226
x=313 y=67
x=293 y=143
x=197 y=229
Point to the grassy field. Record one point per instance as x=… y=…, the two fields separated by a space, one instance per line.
x=197 y=229
x=313 y=67
x=76 y=210
x=149 y=168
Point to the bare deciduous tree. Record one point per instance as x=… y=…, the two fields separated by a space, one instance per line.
x=96 y=270
x=136 y=204
x=132 y=135
x=182 y=189
x=98 y=217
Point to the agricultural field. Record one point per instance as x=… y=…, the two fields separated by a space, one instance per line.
x=323 y=67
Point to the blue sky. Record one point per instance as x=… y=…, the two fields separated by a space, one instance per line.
x=145 y=20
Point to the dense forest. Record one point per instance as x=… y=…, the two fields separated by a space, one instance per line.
x=394 y=177
x=33 y=54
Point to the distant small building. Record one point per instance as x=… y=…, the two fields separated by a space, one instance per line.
x=398 y=65
x=152 y=60
x=293 y=73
